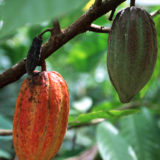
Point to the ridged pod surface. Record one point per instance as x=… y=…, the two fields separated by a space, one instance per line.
x=41 y=116
x=132 y=51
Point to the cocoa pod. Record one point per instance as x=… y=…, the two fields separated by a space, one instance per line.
x=132 y=51
x=41 y=116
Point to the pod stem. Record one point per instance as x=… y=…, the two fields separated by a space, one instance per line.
x=43 y=66
x=47 y=30
x=132 y=3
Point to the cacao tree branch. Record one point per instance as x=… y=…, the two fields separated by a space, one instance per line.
x=81 y=25
x=13 y=73
x=98 y=2
x=78 y=27
x=99 y=29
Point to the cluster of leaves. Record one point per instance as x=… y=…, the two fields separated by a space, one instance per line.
x=124 y=134
x=138 y=138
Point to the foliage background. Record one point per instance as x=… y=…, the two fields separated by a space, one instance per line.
x=124 y=134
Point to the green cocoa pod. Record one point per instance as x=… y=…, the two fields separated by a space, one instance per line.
x=132 y=52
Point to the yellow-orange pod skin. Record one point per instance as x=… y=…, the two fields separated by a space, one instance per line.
x=41 y=116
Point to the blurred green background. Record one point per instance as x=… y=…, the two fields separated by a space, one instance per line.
x=123 y=134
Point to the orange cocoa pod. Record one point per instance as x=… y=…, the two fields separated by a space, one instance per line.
x=41 y=116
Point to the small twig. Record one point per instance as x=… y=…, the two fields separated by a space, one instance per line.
x=5 y=132
x=56 y=28
x=154 y=14
x=93 y=122
x=99 y=29
x=112 y=13
x=132 y=3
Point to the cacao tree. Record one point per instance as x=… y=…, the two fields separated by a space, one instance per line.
x=104 y=52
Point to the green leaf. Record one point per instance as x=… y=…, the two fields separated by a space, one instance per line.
x=6 y=147
x=120 y=113
x=111 y=145
x=93 y=115
x=85 y=55
x=20 y=12
x=142 y=133
x=107 y=105
x=106 y=114
x=5 y=123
